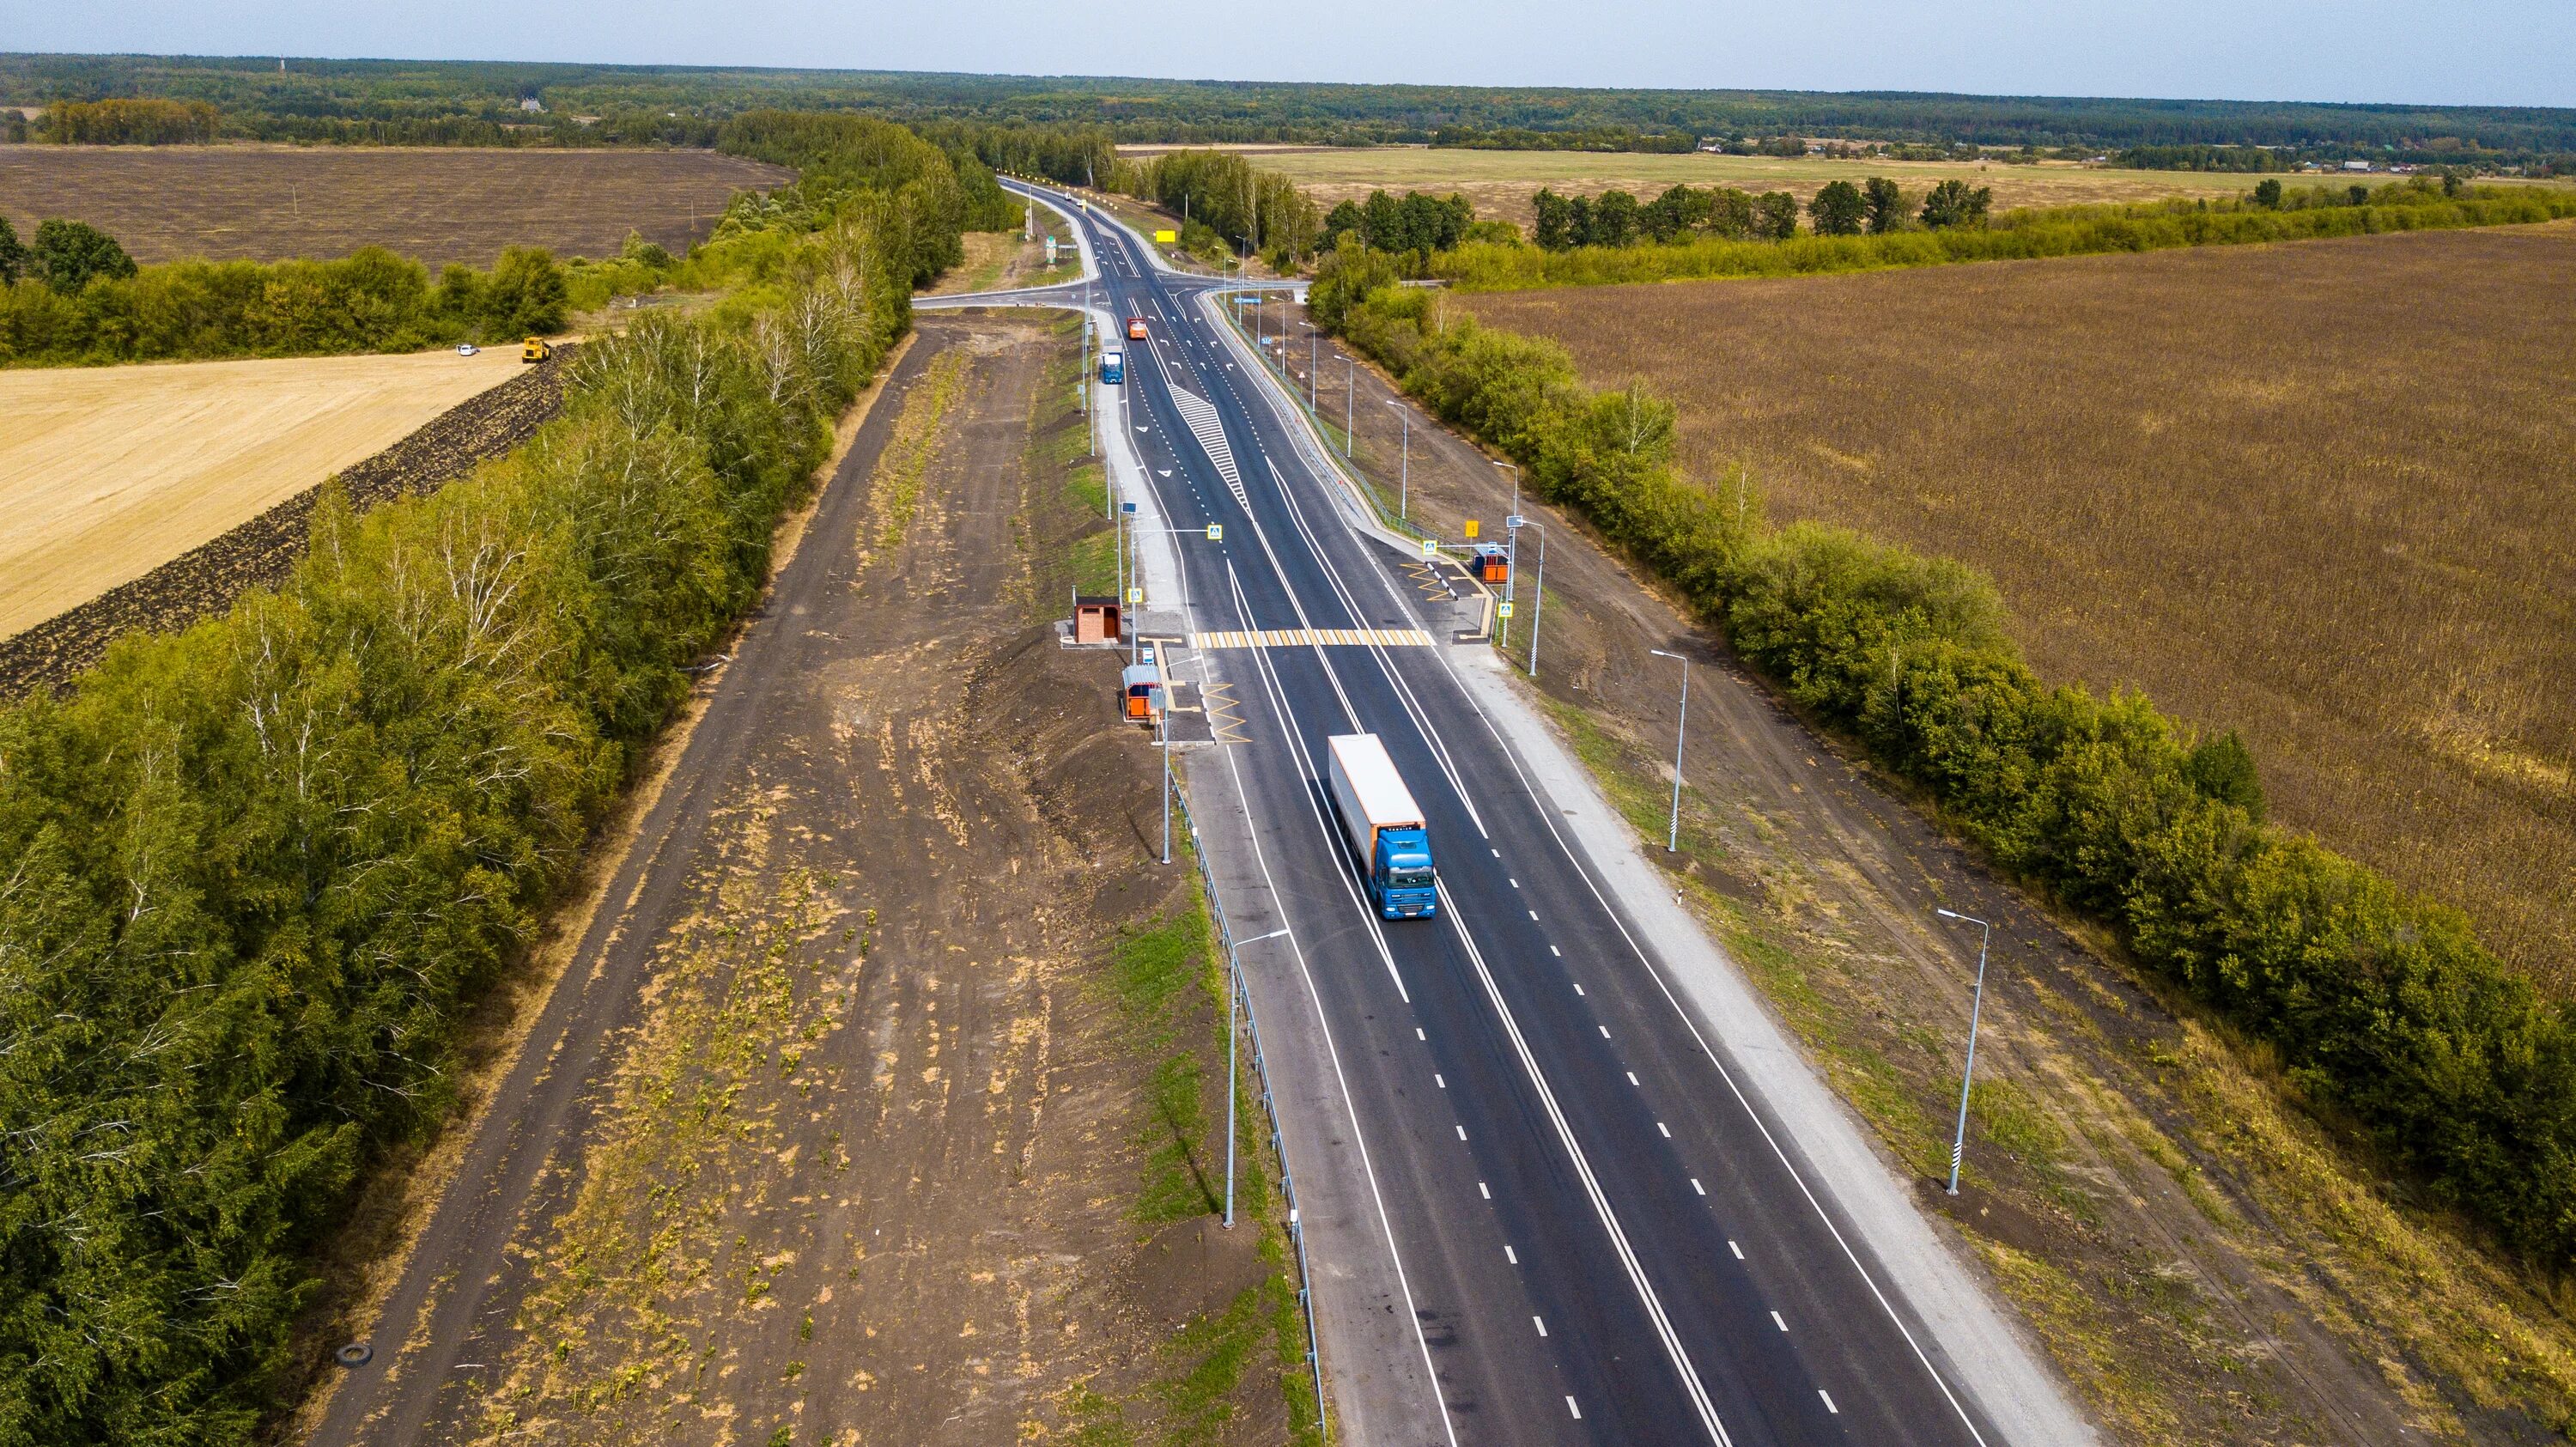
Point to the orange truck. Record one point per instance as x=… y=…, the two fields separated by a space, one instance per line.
x=1135 y=329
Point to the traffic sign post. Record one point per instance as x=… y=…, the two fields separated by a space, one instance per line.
x=1503 y=609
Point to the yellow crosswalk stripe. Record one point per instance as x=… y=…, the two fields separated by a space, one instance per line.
x=1308 y=637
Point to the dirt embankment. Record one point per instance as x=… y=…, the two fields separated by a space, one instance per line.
x=260 y=553
x=2204 y=1263
x=909 y=1141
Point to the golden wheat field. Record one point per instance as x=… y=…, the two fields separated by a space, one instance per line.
x=2322 y=492
x=108 y=472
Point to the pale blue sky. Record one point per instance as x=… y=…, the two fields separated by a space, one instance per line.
x=2502 y=52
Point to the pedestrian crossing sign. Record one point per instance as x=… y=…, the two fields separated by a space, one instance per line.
x=1503 y=610
x=1216 y=532
x=1137 y=595
x=1430 y=547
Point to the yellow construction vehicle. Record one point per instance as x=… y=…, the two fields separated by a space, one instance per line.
x=534 y=349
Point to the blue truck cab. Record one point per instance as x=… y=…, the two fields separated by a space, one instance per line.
x=1113 y=367
x=1401 y=877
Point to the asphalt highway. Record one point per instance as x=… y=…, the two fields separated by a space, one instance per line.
x=1601 y=1236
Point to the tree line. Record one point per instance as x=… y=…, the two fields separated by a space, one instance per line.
x=1846 y=240
x=250 y=874
x=128 y=123
x=1250 y=208
x=410 y=97
x=2382 y=1007
x=77 y=298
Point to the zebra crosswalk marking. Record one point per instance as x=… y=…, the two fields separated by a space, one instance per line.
x=1308 y=637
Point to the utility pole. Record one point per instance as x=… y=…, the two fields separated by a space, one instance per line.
x=1165 y=745
x=1959 y=1143
x=1673 y=832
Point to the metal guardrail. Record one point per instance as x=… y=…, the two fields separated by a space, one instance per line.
x=1269 y=1108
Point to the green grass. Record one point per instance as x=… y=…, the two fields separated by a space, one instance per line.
x=1159 y=977
x=1060 y=444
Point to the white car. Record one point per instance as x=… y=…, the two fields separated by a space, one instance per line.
x=466 y=349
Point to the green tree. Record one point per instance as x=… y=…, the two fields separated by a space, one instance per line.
x=1614 y=219
x=1886 y=204
x=68 y=253
x=2357 y=195
x=2222 y=768
x=1554 y=230
x=1955 y=203
x=525 y=295
x=1838 y=210
x=1775 y=215
x=1343 y=219
x=2267 y=193
x=13 y=254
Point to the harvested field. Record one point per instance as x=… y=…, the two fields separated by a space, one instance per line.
x=152 y=496
x=2317 y=492
x=1502 y=182
x=264 y=203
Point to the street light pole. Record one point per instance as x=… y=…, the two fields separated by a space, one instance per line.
x=1959 y=1143
x=1311 y=378
x=1404 y=466
x=1512 y=562
x=1350 y=374
x=1538 y=594
x=1165 y=744
x=1673 y=831
x=1233 y=996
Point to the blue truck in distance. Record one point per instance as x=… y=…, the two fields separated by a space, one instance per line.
x=1113 y=368
x=1385 y=826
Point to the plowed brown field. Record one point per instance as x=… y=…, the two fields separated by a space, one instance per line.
x=268 y=202
x=2320 y=492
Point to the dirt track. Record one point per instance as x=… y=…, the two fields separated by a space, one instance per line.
x=2190 y=1253
x=249 y=527
x=840 y=1127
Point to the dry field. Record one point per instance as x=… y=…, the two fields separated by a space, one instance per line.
x=1502 y=182
x=268 y=202
x=2320 y=492
x=106 y=472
